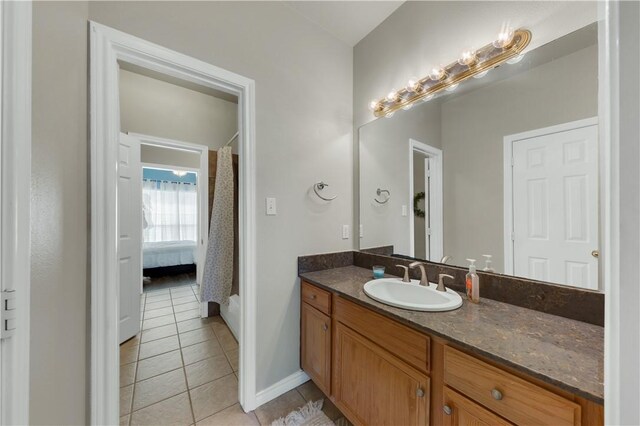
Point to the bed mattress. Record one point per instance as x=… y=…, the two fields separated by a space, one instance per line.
x=168 y=253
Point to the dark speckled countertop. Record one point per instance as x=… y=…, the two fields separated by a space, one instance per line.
x=560 y=351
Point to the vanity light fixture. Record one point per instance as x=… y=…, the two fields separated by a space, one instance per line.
x=508 y=47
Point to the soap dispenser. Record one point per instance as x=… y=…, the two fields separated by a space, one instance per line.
x=487 y=263
x=473 y=283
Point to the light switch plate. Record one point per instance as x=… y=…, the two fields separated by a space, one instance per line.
x=271 y=206
x=345 y=232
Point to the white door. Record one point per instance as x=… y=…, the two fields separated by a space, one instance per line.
x=129 y=235
x=427 y=209
x=555 y=207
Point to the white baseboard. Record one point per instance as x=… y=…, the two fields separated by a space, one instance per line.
x=281 y=387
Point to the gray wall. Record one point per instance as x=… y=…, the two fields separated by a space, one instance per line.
x=304 y=134
x=59 y=216
x=169 y=157
x=157 y=108
x=473 y=129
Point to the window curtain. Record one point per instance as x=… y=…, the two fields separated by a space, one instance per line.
x=170 y=211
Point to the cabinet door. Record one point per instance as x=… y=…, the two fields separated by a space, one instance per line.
x=315 y=342
x=460 y=411
x=373 y=387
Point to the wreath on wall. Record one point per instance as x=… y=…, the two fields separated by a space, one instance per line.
x=416 y=201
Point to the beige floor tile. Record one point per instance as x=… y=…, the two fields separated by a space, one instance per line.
x=279 y=407
x=127 y=374
x=193 y=324
x=196 y=336
x=157 y=292
x=158 y=322
x=158 y=305
x=134 y=341
x=184 y=299
x=155 y=313
x=128 y=354
x=158 y=298
x=125 y=400
x=207 y=370
x=158 y=364
x=181 y=291
x=225 y=338
x=187 y=315
x=158 y=388
x=233 y=357
x=219 y=326
x=173 y=411
x=160 y=346
x=124 y=420
x=310 y=392
x=158 y=333
x=232 y=416
x=200 y=351
x=186 y=307
x=215 y=396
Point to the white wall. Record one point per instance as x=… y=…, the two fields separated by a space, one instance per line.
x=304 y=134
x=157 y=108
x=420 y=35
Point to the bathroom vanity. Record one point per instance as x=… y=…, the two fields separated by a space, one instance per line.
x=491 y=363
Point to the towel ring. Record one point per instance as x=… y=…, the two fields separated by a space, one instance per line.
x=319 y=186
x=379 y=192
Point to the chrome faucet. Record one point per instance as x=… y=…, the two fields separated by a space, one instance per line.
x=405 y=278
x=446 y=258
x=441 y=278
x=423 y=273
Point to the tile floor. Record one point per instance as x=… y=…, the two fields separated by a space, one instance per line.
x=182 y=370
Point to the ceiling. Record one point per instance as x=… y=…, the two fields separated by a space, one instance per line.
x=349 y=21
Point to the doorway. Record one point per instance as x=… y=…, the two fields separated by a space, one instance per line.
x=425 y=191
x=551 y=204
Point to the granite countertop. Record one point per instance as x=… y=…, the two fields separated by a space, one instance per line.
x=560 y=351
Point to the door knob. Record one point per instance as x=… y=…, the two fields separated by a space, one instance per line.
x=325 y=327
x=595 y=253
x=419 y=392
x=496 y=394
x=447 y=410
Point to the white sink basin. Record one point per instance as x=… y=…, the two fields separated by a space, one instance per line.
x=412 y=296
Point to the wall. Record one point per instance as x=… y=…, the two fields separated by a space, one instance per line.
x=59 y=217
x=419 y=35
x=170 y=157
x=157 y=108
x=473 y=129
x=304 y=134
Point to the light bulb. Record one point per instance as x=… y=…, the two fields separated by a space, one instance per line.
x=481 y=74
x=374 y=105
x=392 y=96
x=413 y=85
x=467 y=57
x=179 y=173
x=515 y=59
x=389 y=114
x=452 y=87
x=437 y=74
x=504 y=38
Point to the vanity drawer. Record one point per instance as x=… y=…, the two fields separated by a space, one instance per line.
x=402 y=341
x=509 y=396
x=316 y=297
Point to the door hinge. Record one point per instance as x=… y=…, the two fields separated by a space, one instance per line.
x=7 y=313
x=428 y=231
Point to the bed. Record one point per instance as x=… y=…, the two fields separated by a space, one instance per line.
x=168 y=253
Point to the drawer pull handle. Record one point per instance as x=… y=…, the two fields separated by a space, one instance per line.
x=447 y=410
x=313 y=297
x=496 y=394
x=420 y=392
x=325 y=327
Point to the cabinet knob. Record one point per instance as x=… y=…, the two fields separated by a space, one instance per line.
x=496 y=394
x=313 y=297
x=325 y=327
x=420 y=392
x=447 y=410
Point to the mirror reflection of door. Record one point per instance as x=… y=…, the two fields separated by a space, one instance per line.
x=555 y=205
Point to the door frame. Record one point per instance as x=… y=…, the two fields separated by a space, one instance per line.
x=15 y=197
x=507 y=178
x=435 y=188
x=203 y=193
x=107 y=47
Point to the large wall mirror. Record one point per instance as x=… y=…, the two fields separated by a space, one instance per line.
x=503 y=170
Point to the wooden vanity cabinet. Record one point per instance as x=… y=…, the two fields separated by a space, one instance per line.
x=315 y=341
x=461 y=411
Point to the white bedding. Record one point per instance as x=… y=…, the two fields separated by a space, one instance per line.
x=168 y=253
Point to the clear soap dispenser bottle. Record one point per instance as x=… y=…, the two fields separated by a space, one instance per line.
x=473 y=283
x=487 y=263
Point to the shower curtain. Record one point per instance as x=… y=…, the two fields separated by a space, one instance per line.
x=218 y=268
